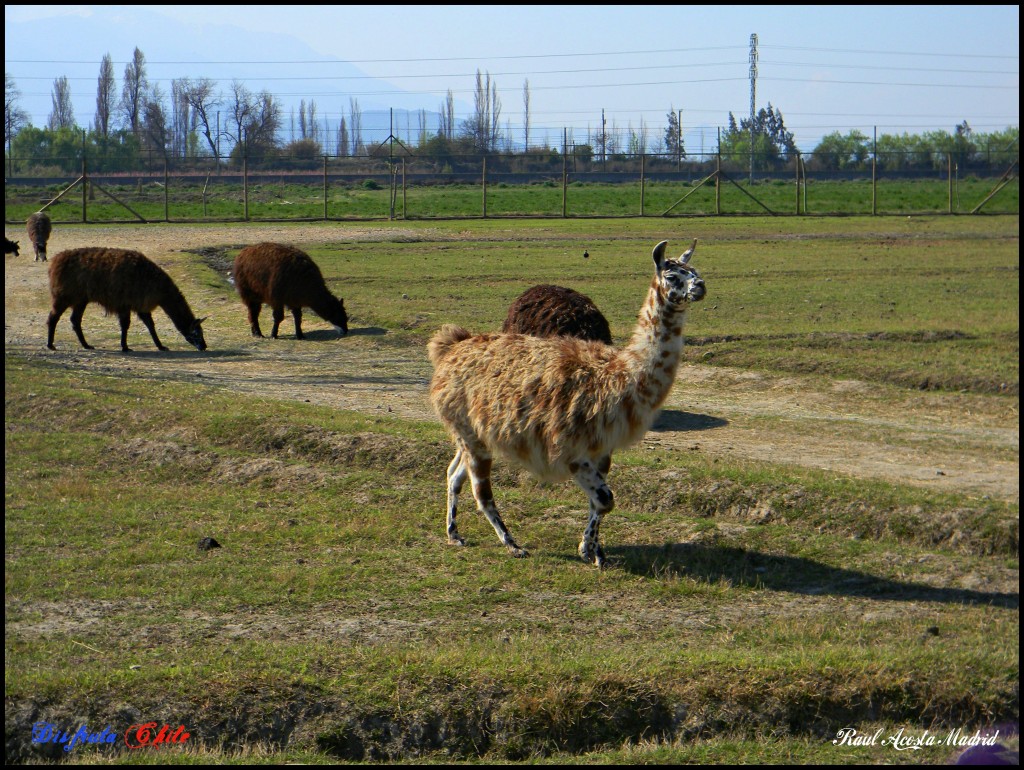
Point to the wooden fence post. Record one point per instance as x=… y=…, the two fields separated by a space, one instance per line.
x=643 y=159
x=85 y=186
x=874 y=173
x=874 y=186
x=949 y=175
x=718 y=182
x=797 y=165
x=565 y=181
x=803 y=173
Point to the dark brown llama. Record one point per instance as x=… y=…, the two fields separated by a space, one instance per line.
x=558 y=406
x=556 y=311
x=122 y=282
x=280 y=276
x=39 y=227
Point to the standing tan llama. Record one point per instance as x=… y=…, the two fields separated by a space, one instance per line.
x=558 y=406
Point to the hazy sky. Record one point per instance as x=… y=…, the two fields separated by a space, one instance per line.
x=826 y=68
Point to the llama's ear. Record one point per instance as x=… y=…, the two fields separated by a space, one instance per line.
x=659 y=257
x=685 y=257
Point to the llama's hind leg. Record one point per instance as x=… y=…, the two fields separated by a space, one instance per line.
x=591 y=478
x=480 y=475
x=277 y=311
x=59 y=306
x=76 y=323
x=124 y=317
x=254 y=309
x=457 y=475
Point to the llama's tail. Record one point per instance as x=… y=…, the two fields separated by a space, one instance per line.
x=439 y=344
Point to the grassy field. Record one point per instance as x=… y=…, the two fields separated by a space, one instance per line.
x=754 y=608
x=372 y=200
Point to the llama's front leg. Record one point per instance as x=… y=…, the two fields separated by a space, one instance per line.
x=480 y=476
x=457 y=474
x=591 y=478
x=147 y=319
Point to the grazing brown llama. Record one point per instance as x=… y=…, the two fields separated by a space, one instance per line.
x=39 y=227
x=558 y=406
x=122 y=282
x=10 y=247
x=281 y=275
x=555 y=311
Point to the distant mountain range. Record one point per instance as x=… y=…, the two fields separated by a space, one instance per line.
x=36 y=52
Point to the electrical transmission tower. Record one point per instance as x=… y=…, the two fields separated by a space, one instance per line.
x=753 y=99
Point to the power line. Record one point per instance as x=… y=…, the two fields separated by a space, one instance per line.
x=419 y=60
x=896 y=85
x=530 y=73
x=946 y=54
x=892 y=69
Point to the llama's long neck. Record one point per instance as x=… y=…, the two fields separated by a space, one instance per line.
x=652 y=355
x=324 y=304
x=177 y=308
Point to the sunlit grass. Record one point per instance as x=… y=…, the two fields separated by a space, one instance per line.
x=262 y=200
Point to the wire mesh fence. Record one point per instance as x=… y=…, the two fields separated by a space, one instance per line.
x=397 y=184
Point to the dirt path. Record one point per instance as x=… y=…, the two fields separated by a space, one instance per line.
x=949 y=442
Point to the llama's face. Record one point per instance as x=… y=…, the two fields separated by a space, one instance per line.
x=339 y=318
x=195 y=334
x=681 y=284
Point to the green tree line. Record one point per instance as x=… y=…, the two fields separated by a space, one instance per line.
x=198 y=123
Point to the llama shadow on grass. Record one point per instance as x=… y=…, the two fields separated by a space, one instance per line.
x=163 y=355
x=318 y=335
x=674 y=420
x=792 y=574
x=367 y=331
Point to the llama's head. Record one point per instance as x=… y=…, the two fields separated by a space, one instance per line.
x=337 y=316
x=194 y=334
x=680 y=284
